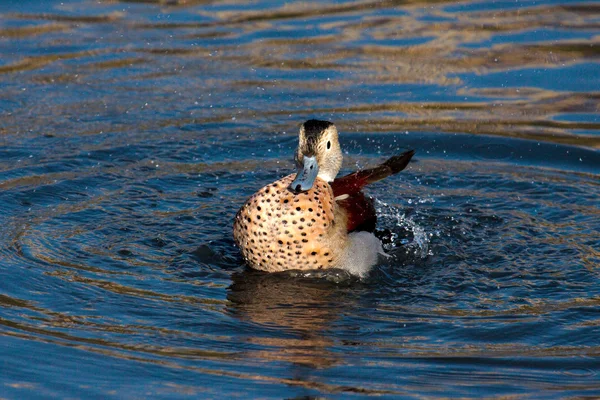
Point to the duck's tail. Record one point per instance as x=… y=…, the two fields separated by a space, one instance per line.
x=347 y=190
x=361 y=254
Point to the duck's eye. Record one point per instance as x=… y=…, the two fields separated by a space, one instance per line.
x=328 y=145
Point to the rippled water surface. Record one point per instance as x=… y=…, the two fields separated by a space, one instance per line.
x=132 y=131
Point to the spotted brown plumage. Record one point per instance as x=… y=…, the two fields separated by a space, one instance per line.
x=279 y=230
x=283 y=227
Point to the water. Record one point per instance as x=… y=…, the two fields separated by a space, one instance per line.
x=131 y=132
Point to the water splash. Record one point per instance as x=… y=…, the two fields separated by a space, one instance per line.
x=402 y=232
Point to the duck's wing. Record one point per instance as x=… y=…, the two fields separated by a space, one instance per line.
x=358 y=207
x=360 y=212
x=354 y=182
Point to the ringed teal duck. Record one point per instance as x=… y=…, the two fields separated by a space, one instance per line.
x=311 y=220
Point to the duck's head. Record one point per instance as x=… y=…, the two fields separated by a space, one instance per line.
x=318 y=154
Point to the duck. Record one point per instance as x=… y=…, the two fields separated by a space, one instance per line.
x=310 y=219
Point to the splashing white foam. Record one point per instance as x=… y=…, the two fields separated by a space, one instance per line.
x=421 y=238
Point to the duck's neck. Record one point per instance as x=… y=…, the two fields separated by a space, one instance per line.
x=327 y=176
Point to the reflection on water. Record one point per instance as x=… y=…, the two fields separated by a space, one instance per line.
x=131 y=131
x=305 y=308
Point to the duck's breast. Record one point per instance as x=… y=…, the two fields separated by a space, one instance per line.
x=278 y=229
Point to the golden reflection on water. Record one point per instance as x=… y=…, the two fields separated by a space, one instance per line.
x=304 y=309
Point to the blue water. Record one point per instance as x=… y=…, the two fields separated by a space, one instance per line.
x=132 y=131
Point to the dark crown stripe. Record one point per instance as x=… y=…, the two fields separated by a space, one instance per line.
x=313 y=127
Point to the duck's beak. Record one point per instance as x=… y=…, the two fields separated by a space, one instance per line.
x=306 y=175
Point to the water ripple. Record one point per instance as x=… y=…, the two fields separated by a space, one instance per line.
x=131 y=132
